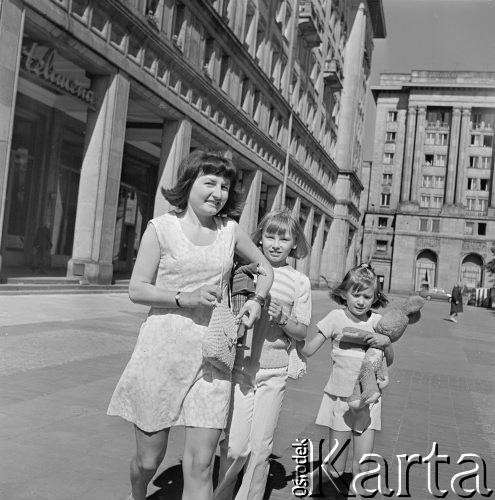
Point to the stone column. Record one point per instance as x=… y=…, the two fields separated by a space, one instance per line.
x=303 y=265
x=273 y=197
x=316 y=252
x=12 y=15
x=335 y=255
x=461 y=162
x=176 y=144
x=453 y=151
x=408 y=154
x=100 y=181
x=418 y=154
x=251 y=185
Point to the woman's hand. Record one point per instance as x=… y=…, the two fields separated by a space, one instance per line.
x=383 y=382
x=249 y=313
x=275 y=311
x=377 y=340
x=206 y=295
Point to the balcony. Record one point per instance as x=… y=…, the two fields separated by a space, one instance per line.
x=309 y=24
x=332 y=74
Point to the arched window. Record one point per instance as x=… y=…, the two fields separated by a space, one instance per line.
x=472 y=271
x=426 y=270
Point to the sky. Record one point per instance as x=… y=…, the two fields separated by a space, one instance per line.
x=431 y=34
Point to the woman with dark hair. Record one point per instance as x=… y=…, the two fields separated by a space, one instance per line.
x=182 y=270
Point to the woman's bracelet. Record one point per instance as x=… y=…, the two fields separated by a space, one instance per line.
x=257 y=298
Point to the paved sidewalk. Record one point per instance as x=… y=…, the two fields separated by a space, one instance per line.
x=61 y=356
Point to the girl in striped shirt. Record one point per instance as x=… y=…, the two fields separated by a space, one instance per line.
x=260 y=371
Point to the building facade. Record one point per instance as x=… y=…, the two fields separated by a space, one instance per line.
x=430 y=216
x=100 y=102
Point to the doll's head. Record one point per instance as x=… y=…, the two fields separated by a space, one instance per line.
x=357 y=279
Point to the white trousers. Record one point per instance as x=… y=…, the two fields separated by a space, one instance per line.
x=255 y=407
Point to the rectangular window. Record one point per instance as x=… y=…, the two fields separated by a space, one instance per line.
x=485 y=162
x=388 y=158
x=435 y=225
x=483 y=185
x=482 y=228
x=469 y=228
x=429 y=160
x=471 y=203
x=392 y=116
x=387 y=179
x=390 y=137
x=426 y=181
x=476 y=139
x=437 y=201
x=438 y=181
x=473 y=160
x=382 y=222
x=381 y=246
x=425 y=201
x=385 y=199
x=482 y=204
x=472 y=184
x=440 y=160
x=487 y=141
x=423 y=225
x=442 y=139
x=430 y=138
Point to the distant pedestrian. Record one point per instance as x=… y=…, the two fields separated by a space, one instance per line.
x=358 y=292
x=260 y=372
x=184 y=256
x=42 y=245
x=456 y=301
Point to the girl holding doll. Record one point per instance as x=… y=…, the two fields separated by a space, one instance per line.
x=359 y=292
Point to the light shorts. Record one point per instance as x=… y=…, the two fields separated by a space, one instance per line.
x=335 y=413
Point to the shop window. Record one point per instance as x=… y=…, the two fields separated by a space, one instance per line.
x=382 y=222
x=469 y=228
x=482 y=228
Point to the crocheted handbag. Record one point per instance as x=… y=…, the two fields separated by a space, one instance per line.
x=219 y=341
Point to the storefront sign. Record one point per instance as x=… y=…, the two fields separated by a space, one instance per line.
x=422 y=243
x=474 y=246
x=44 y=68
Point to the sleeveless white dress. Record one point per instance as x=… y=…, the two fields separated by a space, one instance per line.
x=166 y=382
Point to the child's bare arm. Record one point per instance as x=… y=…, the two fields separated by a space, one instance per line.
x=312 y=344
x=389 y=354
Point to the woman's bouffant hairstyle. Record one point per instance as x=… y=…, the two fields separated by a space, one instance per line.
x=201 y=162
x=358 y=279
x=280 y=222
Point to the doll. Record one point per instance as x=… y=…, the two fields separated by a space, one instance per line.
x=374 y=367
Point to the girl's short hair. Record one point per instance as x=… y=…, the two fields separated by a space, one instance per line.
x=201 y=162
x=280 y=222
x=358 y=279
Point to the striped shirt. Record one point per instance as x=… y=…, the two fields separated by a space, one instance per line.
x=270 y=344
